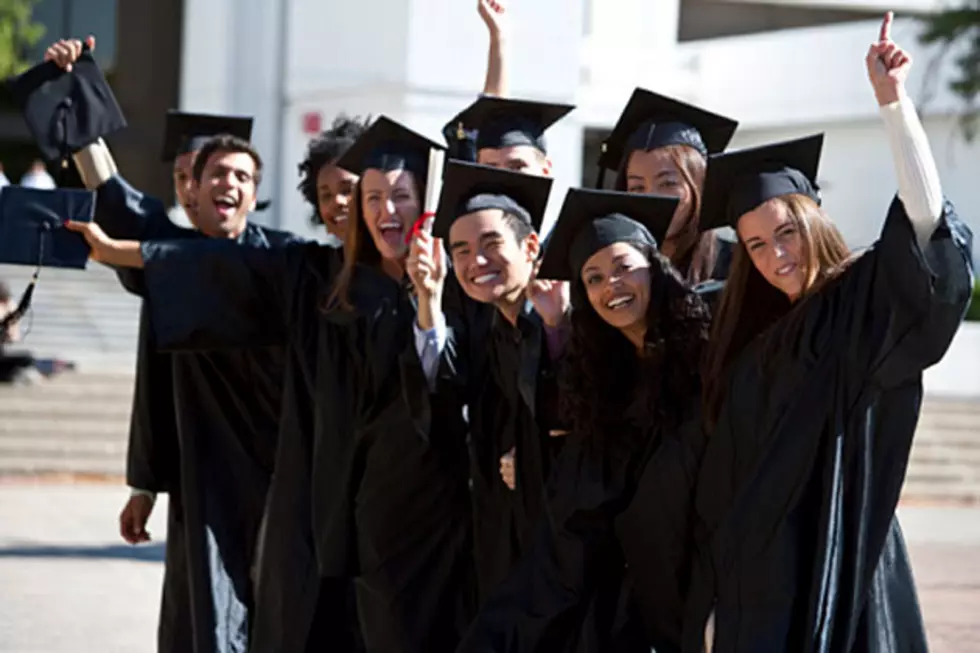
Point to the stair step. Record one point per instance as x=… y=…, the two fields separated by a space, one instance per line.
x=13 y=464
x=59 y=448
x=67 y=428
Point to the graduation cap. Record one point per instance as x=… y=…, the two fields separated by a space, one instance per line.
x=67 y=111
x=187 y=132
x=651 y=121
x=32 y=232
x=470 y=187
x=388 y=145
x=593 y=219
x=737 y=182
x=503 y=122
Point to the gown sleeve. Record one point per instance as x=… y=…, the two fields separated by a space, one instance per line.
x=217 y=294
x=152 y=455
x=540 y=606
x=919 y=295
x=125 y=213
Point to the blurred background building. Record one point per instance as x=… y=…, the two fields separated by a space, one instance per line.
x=782 y=67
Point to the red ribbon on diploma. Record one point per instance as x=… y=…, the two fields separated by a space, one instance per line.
x=417 y=227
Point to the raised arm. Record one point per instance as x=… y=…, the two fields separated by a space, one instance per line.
x=919 y=187
x=207 y=293
x=493 y=13
x=921 y=280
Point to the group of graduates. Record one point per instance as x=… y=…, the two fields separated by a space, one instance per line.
x=444 y=432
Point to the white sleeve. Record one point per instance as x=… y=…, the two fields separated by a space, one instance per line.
x=429 y=345
x=918 y=179
x=136 y=492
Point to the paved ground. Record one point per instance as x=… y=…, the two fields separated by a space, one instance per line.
x=67 y=583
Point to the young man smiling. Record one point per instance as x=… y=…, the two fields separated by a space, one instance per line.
x=490 y=217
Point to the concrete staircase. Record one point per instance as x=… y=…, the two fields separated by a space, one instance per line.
x=945 y=463
x=82 y=316
x=76 y=422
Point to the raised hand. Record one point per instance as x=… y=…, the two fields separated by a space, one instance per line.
x=67 y=51
x=551 y=299
x=100 y=244
x=494 y=14
x=888 y=65
x=426 y=265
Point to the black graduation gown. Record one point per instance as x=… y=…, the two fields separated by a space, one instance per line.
x=224 y=409
x=387 y=466
x=153 y=450
x=620 y=511
x=800 y=480
x=510 y=387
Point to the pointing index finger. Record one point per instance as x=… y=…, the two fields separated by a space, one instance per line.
x=886 y=27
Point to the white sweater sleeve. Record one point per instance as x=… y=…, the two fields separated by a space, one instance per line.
x=918 y=179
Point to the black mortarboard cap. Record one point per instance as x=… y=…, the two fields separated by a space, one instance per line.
x=187 y=132
x=651 y=121
x=737 y=182
x=470 y=187
x=593 y=219
x=389 y=145
x=503 y=122
x=32 y=232
x=67 y=111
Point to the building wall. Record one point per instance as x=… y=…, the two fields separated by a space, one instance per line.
x=342 y=57
x=145 y=80
x=317 y=58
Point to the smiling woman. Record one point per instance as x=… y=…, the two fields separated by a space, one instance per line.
x=391 y=162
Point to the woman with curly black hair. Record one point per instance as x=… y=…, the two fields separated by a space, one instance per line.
x=323 y=184
x=619 y=500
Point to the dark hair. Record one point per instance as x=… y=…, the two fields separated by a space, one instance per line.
x=749 y=304
x=327 y=148
x=4 y=293
x=607 y=390
x=520 y=228
x=226 y=143
x=359 y=247
x=695 y=253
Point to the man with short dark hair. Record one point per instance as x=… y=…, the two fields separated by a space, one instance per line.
x=325 y=186
x=207 y=431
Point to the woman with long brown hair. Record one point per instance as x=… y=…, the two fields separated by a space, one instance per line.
x=813 y=386
x=387 y=492
x=661 y=145
x=619 y=499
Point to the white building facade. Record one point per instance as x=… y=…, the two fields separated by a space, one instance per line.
x=783 y=68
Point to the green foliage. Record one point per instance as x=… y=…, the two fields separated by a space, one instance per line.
x=973 y=313
x=18 y=32
x=960 y=27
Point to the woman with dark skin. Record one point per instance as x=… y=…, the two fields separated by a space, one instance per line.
x=813 y=388
x=630 y=390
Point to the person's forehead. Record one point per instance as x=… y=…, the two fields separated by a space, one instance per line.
x=330 y=172
x=237 y=160
x=476 y=225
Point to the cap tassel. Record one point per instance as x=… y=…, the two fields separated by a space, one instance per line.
x=25 y=299
x=600 y=179
x=63 y=108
